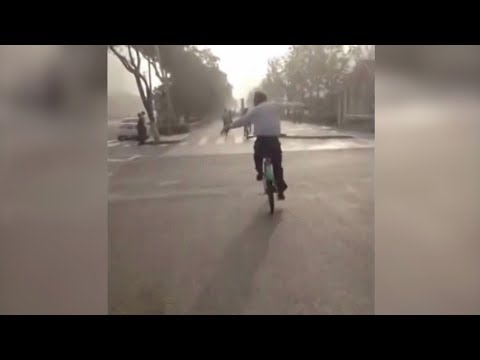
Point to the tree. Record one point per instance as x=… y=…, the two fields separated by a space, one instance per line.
x=191 y=81
x=307 y=73
x=274 y=84
x=131 y=58
x=198 y=85
x=162 y=59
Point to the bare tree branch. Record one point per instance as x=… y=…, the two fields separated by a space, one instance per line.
x=156 y=70
x=123 y=59
x=133 y=66
x=138 y=57
x=134 y=69
x=147 y=87
x=130 y=53
x=132 y=61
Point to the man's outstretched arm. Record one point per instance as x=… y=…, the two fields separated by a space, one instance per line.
x=242 y=121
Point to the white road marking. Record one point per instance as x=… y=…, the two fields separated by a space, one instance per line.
x=160 y=195
x=125 y=159
x=112 y=144
x=166 y=183
x=338 y=145
x=220 y=140
x=203 y=141
x=163 y=145
x=183 y=143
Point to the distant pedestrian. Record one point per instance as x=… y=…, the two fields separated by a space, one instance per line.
x=141 y=129
x=247 y=129
x=225 y=117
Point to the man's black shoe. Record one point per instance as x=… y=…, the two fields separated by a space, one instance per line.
x=259 y=177
x=281 y=196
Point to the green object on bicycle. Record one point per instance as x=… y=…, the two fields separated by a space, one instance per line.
x=269 y=172
x=269 y=183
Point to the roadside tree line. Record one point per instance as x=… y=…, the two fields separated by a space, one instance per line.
x=191 y=82
x=308 y=73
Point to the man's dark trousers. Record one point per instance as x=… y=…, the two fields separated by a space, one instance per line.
x=269 y=146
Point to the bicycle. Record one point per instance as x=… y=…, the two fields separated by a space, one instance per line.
x=269 y=183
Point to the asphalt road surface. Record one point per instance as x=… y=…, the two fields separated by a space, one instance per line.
x=190 y=232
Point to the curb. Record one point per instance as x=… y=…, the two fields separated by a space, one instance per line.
x=164 y=142
x=324 y=137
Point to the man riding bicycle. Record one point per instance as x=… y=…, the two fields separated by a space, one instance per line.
x=265 y=117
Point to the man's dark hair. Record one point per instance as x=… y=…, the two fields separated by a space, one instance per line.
x=259 y=97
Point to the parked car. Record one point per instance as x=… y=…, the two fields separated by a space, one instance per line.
x=128 y=129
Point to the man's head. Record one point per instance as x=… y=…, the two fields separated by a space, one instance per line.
x=259 y=97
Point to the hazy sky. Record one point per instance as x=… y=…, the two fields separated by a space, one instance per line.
x=245 y=66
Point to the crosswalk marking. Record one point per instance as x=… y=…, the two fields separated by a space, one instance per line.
x=124 y=159
x=215 y=144
x=240 y=141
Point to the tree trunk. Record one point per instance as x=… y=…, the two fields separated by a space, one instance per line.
x=146 y=96
x=166 y=81
x=147 y=100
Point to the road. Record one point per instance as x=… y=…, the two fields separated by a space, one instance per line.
x=190 y=233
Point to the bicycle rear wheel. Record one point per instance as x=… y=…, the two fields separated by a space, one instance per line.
x=271 y=197
x=269 y=183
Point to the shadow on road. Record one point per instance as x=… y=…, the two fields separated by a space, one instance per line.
x=231 y=286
